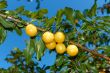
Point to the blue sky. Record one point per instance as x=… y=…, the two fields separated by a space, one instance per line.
x=13 y=40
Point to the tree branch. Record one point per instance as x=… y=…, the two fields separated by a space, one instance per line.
x=79 y=45
x=91 y=51
x=19 y=21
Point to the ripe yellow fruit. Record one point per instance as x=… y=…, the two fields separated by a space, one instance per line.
x=102 y=72
x=48 y=37
x=59 y=37
x=60 y=48
x=31 y=30
x=51 y=45
x=76 y=21
x=72 y=50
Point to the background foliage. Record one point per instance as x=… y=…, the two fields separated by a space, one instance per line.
x=90 y=32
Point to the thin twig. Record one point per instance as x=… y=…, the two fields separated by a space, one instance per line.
x=19 y=21
x=91 y=51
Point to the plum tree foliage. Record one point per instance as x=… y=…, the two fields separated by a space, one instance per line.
x=84 y=29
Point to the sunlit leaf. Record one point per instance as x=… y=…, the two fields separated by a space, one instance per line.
x=40 y=47
x=29 y=51
x=59 y=16
x=92 y=11
x=69 y=14
x=49 y=22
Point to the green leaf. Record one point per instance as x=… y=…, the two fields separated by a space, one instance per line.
x=34 y=15
x=85 y=12
x=40 y=47
x=11 y=60
x=53 y=69
x=20 y=25
x=20 y=9
x=3 y=4
x=49 y=22
x=27 y=13
x=105 y=49
x=65 y=70
x=92 y=11
x=104 y=18
x=59 y=16
x=29 y=51
x=18 y=31
x=70 y=35
x=59 y=60
x=69 y=14
x=68 y=10
x=11 y=13
x=108 y=10
x=2 y=34
x=5 y=23
x=15 y=55
x=47 y=67
x=84 y=26
x=40 y=70
x=79 y=15
x=42 y=12
x=105 y=24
